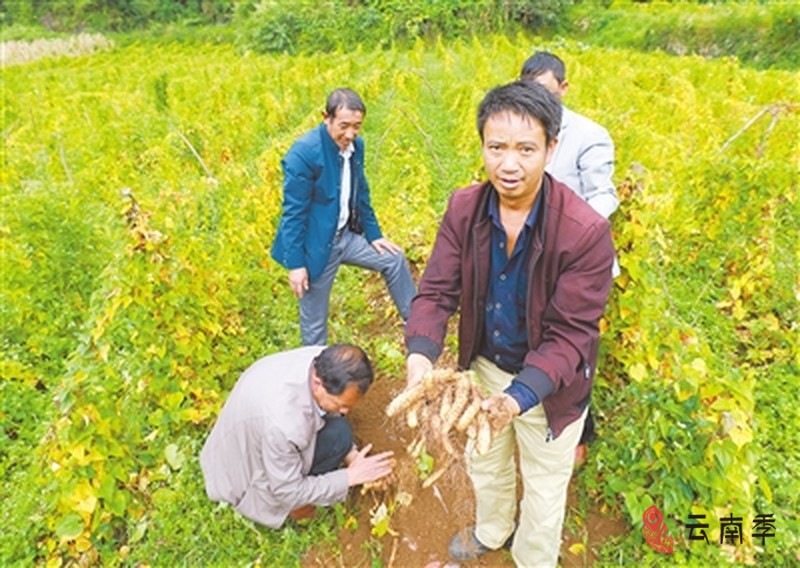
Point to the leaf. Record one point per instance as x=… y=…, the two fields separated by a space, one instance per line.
x=637 y=372
x=175 y=457
x=765 y=488
x=351 y=523
x=633 y=504
x=138 y=532
x=577 y=548
x=70 y=527
x=83 y=499
x=173 y=400
x=741 y=435
x=380 y=527
x=163 y=497
x=379 y=519
x=117 y=502
x=699 y=365
x=683 y=390
x=424 y=465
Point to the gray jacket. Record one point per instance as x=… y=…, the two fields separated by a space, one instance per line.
x=584 y=161
x=259 y=453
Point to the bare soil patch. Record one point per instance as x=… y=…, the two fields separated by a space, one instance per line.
x=424 y=527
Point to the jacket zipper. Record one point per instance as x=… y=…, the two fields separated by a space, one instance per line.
x=476 y=285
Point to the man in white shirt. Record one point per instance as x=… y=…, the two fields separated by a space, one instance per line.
x=583 y=160
x=584 y=156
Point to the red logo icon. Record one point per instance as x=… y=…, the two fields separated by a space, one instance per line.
x=655 y=531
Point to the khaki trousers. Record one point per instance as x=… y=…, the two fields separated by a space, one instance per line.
x=546 y=468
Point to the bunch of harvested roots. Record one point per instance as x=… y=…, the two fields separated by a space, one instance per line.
x=382 y=485
x=441 y=407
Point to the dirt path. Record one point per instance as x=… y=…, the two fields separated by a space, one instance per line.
x=423 y=528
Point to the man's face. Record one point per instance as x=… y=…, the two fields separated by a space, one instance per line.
x=515 y=153
x=548 y=80
x=345 y=126
x=337 y=403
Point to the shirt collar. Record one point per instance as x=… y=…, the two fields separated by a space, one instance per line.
x=347 y=152
x=315 y=405
x=494 y=209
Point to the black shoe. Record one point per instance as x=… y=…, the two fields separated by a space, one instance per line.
x=470 y=548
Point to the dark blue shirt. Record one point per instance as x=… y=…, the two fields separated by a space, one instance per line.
x=506 y=337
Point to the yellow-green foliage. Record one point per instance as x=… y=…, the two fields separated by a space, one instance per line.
x=141 y=190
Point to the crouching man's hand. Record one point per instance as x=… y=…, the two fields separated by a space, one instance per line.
x=362 y=468
x=502 y=409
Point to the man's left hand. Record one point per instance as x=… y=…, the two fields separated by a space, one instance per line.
x=383 y=245
x=502 y=409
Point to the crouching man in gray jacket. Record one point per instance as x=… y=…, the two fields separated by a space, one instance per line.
x=277 y=446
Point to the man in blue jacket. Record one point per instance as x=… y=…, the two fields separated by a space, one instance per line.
x=328 y=219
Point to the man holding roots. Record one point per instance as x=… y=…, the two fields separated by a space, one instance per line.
x=528 y=264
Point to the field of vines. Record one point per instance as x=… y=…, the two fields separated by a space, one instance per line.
x=141 y=189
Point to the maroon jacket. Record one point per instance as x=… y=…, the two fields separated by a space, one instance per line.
x=568 y=286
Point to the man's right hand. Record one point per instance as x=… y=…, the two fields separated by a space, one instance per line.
x=366 y=469
x=416 y=367
x=298 y=281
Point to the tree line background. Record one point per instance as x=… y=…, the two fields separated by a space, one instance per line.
x=761 y=34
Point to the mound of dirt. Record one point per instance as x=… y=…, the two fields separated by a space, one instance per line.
x=421 y=530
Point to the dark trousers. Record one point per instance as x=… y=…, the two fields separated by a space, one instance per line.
x=588 y=428
x=334 y=442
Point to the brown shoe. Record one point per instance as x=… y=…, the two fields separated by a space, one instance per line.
x=304 y=512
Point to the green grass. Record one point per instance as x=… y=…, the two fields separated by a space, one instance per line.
x=184 y=528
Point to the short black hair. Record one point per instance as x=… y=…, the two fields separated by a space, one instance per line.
x=344 y=98
x=526 y=99
x=343 y=364
x=541 y=62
